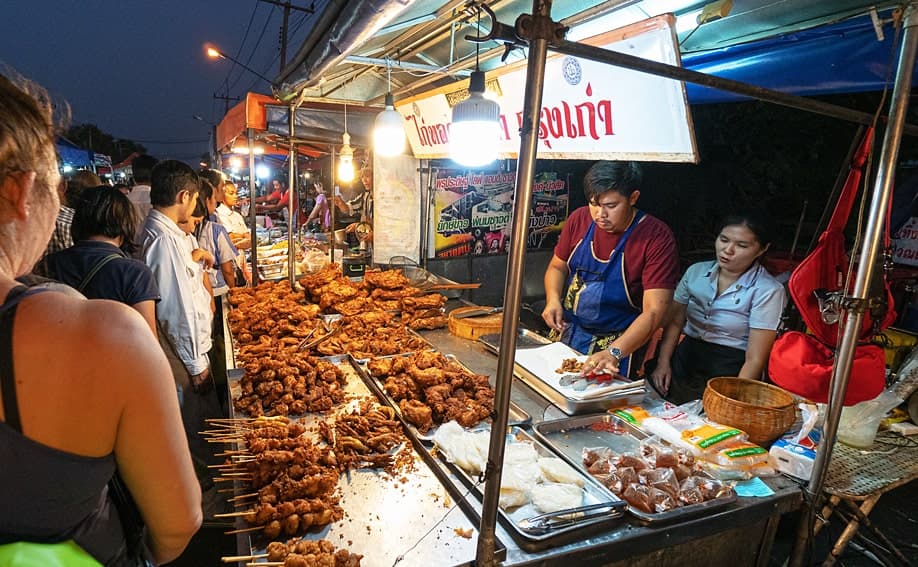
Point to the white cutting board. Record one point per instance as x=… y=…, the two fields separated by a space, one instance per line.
x=542 y=362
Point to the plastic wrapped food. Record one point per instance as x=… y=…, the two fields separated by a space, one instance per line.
x=628 y=475
x=662 y=479
x=682 y=472
x=556 y=470
x=712 y=437
x=631 y=460
x=662 y=501
x=713 y=488
x=601 y=467
x=689 y=492
x=592 y=454
x=551 y=496
x=612 y=481
x=638 y=495
x=741 y=455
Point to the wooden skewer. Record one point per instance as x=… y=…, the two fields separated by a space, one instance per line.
x=266 y=563
x=237 y=558
x=224 y=466
x=222 y=479
x=225 y=490
x=244 y=530
x=232 y=454
x=234 y=514
x=237 y=474
x=241 y=496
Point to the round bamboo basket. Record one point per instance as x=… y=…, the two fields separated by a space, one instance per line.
x=763 y=411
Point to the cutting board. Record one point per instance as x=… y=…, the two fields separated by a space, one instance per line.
x=473 y=327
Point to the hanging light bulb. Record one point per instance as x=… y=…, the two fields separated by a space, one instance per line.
x=346 y=155
x=474 y=134
x=389 y=129
x=346 y=160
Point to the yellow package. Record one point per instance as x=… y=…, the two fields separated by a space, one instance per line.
x=711 y=437
x=743 y=454
x=634 y=414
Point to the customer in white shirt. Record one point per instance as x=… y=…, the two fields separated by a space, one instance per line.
x=235 y=225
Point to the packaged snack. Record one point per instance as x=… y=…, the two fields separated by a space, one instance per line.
x=662 y=479
x=592 y=454
x=741 y=454
x=638 y=495
x=662 y=501
x=711 y=437
x=634 y=414
x=689 y=492
x=630 y=460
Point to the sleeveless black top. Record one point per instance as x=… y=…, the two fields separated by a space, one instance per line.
x=50 y=495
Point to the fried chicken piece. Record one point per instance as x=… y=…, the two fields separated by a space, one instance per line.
x=429 y=323
x=417 y=414
x=389 y=279
x=429 y=301
x=394 y=294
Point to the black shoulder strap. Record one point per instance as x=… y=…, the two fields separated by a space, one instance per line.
x=7 y=379
x=95 y=270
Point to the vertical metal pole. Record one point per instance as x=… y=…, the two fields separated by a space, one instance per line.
x=525 y=172
x=868 y=255
x=292 y=194
x=250 y=134
x=334 y=205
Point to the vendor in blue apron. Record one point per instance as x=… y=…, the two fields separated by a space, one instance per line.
x=611 y=279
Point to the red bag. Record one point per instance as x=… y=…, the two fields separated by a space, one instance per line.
x=826 y=267
x=801 y=364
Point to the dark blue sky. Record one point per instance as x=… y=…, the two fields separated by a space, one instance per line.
x=137 y=68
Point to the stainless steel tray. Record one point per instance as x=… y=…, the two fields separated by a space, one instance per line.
x=570 y=436
x=574 y=406
x=524 y=339
x=385 y=520
x=593 y=493
x=517 y=415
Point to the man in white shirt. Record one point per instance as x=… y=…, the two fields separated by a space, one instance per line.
x=173 y=196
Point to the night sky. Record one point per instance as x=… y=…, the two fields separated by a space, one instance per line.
x=137 y=68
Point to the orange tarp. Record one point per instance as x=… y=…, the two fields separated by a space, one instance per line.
x=249 y=113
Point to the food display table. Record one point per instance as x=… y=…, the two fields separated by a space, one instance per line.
x=440 y=515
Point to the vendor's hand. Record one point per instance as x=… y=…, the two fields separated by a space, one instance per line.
x=601 y=362
x=351 y=227
x=661 y=377
x=553 y=315
x=201 y=383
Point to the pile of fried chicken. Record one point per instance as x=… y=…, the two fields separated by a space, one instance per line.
x=431 y=388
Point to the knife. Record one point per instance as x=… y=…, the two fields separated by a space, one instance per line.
x=478 y=312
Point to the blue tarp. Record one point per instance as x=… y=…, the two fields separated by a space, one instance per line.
x=72 y=155
x=844 y=57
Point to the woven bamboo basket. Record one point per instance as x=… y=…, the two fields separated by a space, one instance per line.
x=761 y=410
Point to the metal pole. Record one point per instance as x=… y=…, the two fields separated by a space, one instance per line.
x=539 y=26
x=729 y=85
x=868 y=254
x=292 y=195
x=334 y=205
x=250 y=134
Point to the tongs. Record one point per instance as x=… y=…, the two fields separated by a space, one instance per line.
x=304 y=346
x=544 y=523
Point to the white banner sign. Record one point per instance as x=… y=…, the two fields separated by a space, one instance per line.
x=589 y=110
x=396 y=209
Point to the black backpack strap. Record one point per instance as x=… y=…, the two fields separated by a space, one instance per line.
x=95 y=270
x=7 y=379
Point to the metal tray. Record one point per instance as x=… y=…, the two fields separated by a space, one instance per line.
x=570 y=436
x=524 y=339
x=593 y=493
x=517 y=415
x=574 y=406
x=384 y=520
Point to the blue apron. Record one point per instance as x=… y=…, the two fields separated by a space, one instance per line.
x=597 y=305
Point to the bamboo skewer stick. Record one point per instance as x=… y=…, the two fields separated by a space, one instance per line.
x=242 y=496
x=234 y=514
x=244 y=530
x=237 y=558
x=266 y=564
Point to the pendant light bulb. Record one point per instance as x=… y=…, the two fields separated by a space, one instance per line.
x=346 y=160
x=474 y=135
x=389 y=131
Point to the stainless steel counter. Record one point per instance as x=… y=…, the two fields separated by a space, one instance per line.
x=384 y=521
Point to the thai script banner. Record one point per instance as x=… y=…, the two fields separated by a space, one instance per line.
x=473 y=211
x=589 y=110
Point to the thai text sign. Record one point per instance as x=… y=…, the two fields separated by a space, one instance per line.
x=589 y=110
x=473 y=211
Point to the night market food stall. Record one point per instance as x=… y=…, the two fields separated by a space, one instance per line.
x=526 y=415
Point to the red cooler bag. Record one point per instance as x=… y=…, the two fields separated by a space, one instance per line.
x=801 y=364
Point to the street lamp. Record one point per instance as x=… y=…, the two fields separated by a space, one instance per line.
x=214 y=53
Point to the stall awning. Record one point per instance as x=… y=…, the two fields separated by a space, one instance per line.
x=72 y=155
x=250 y=113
